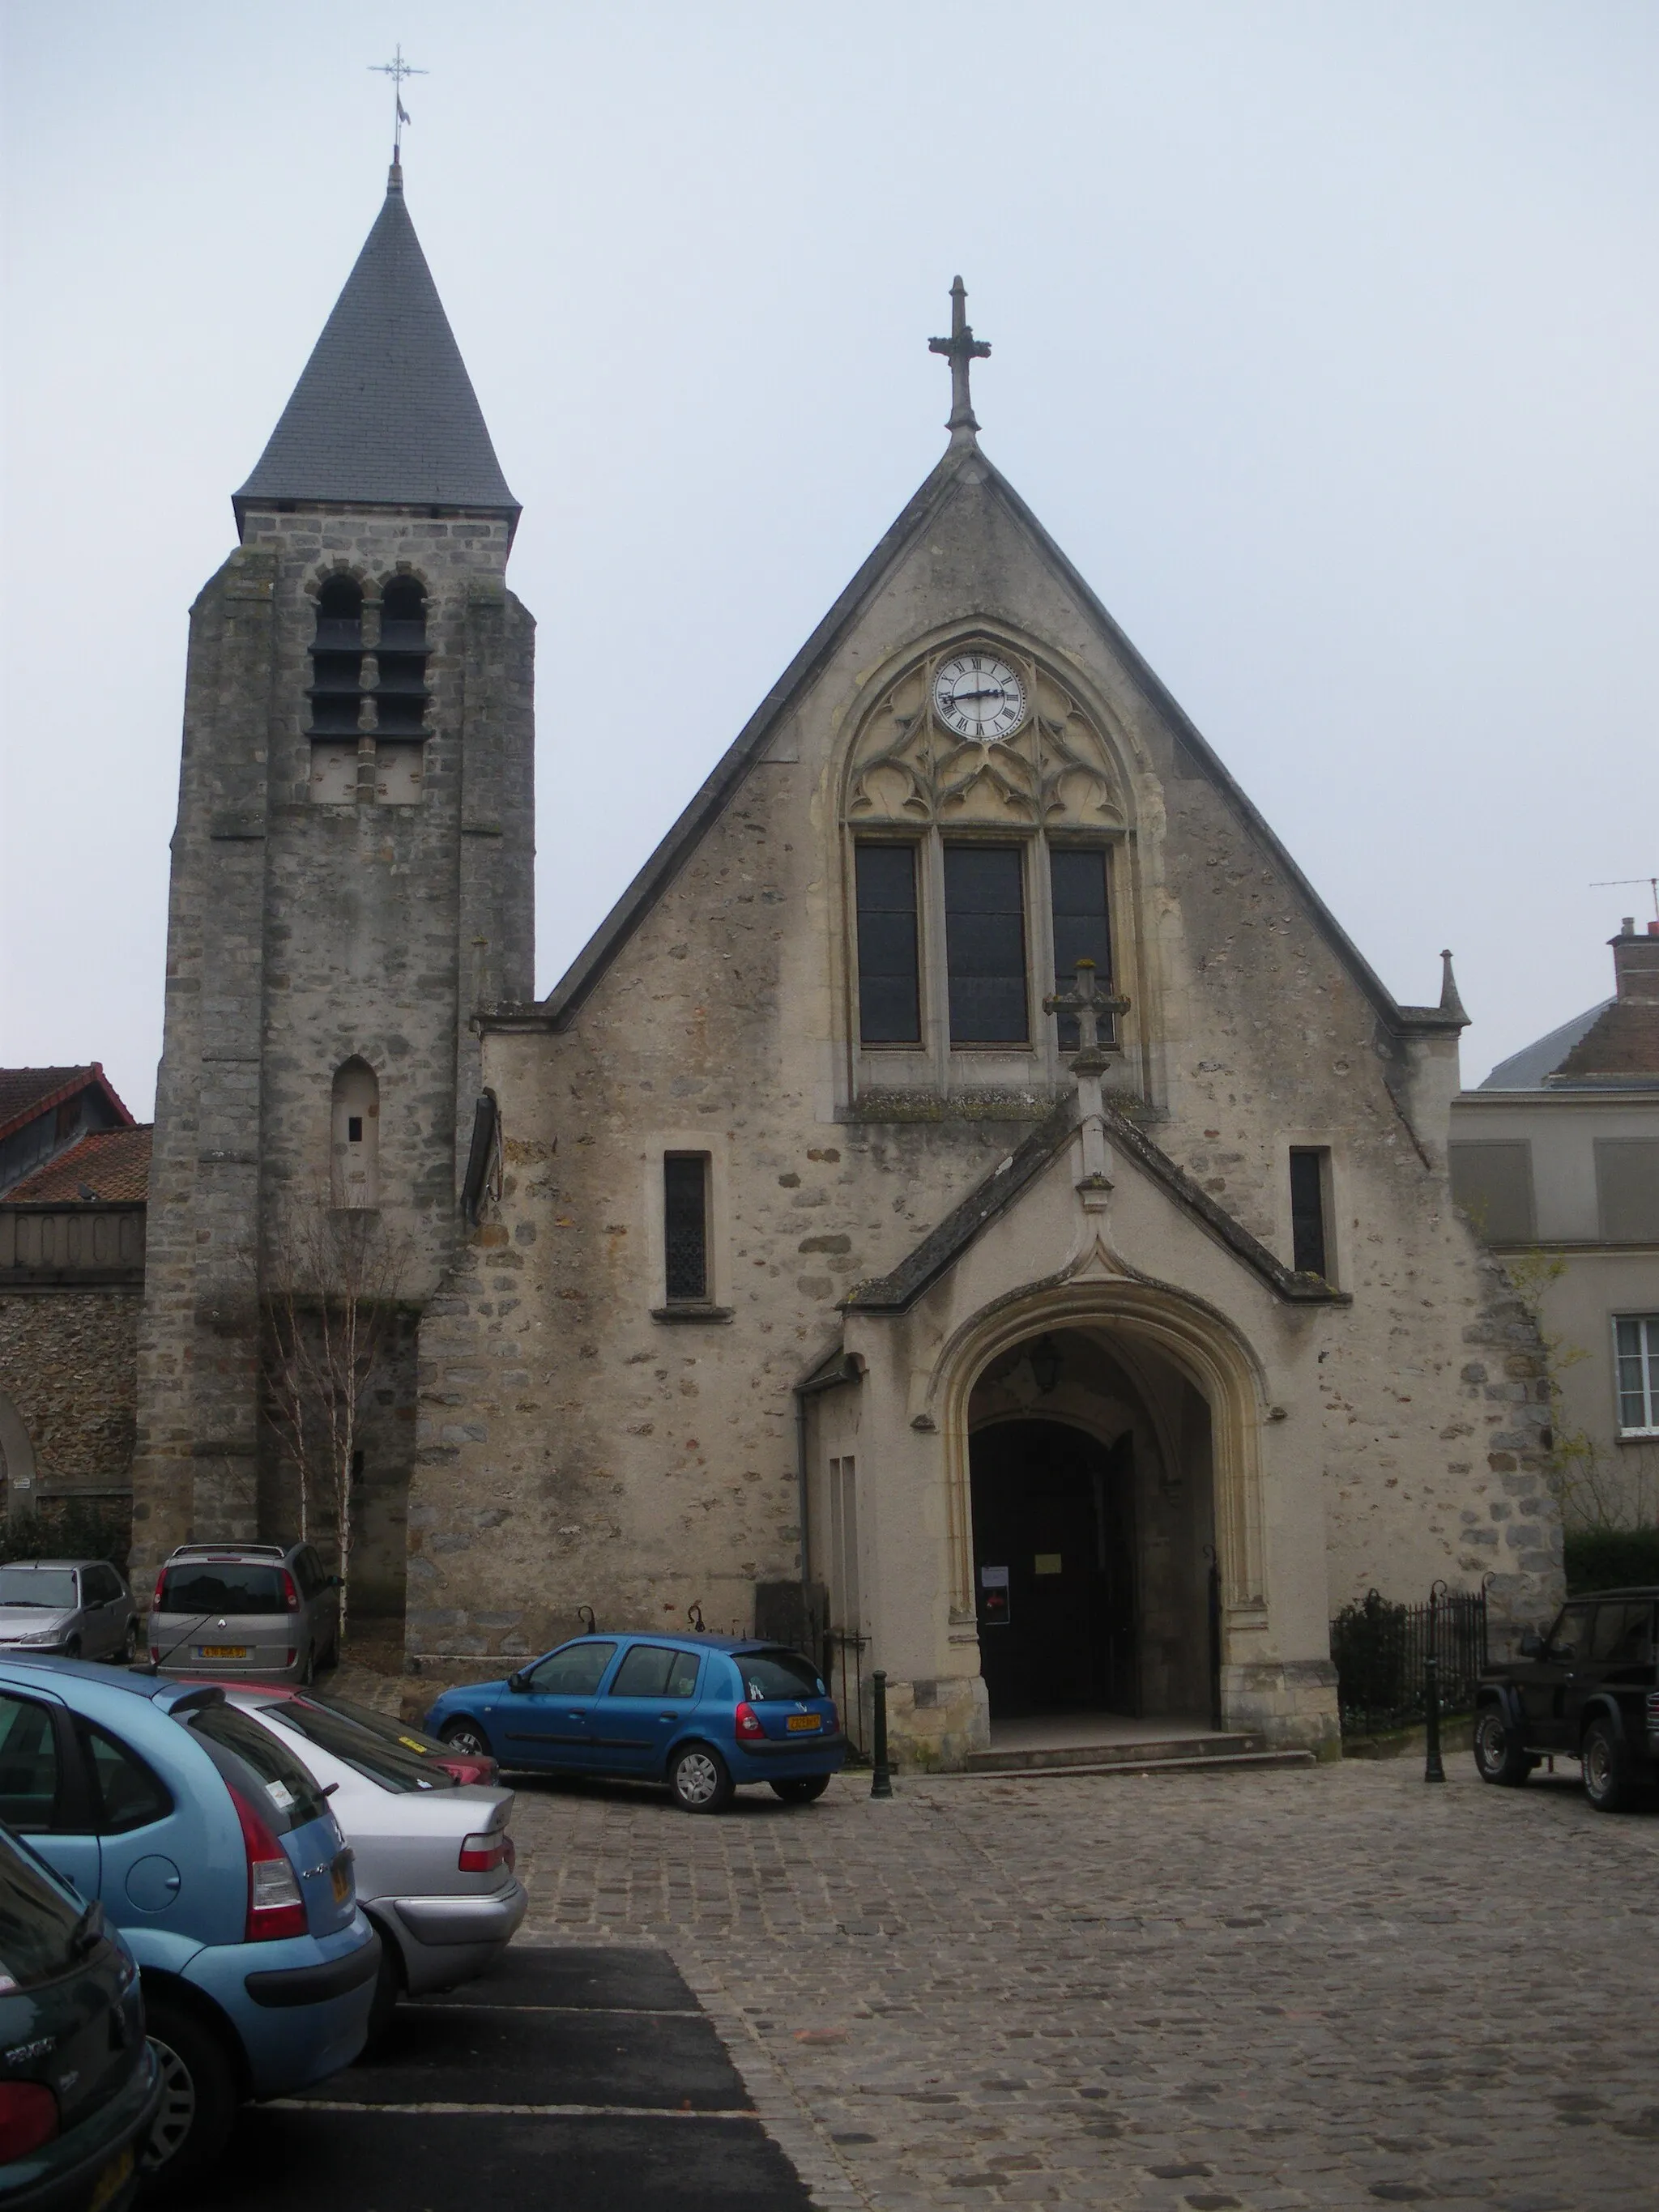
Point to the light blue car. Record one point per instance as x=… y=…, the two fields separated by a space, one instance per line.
x=213 y=1851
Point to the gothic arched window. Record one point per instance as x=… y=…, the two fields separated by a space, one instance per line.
x=355 y=1136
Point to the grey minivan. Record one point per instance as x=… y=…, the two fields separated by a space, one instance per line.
x=265 y=1610
x=71 y=1608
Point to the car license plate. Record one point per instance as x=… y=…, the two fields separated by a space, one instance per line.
x=221 y=1651
x=341 y=1872
x=111 y=2181
x=806 y=1721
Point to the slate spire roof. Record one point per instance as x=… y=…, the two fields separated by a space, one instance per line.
x=384 y=413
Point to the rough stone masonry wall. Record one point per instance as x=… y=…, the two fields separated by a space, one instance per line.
x=69 y=1365
x=575 y=1450
x=302 y=934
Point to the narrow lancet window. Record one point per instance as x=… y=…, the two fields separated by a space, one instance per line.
x=1310 y=1169
x=686 y=1228
x=985 y=944
x=356 y=1132
x=1077 y=876
x=890 y=998
x=400 y=694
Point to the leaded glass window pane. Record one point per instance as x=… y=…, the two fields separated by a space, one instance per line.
x=890 y=996
x=686 y=1226
x=985 y=944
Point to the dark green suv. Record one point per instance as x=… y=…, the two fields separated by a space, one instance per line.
x=1588 y=1691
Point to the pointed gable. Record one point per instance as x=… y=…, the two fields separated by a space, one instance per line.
x=384 y=413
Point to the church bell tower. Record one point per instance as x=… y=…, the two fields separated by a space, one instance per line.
x=351 y=881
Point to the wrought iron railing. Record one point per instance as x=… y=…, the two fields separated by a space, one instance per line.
x=843 y=1668
x=1380 y=1649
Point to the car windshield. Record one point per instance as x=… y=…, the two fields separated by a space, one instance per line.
x=355 y=1748
x=48 y=1586
x=38 y=1921
x=778 y=1675
x=209 y=1586
x=252 y=1759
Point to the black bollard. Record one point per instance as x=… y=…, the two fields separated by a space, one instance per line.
x=881 y=1781
x=1432 y=1769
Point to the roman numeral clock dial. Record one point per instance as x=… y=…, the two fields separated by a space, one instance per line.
x=979 y=696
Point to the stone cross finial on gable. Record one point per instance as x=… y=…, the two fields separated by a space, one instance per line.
x=961 y=349
x=1091 y=1005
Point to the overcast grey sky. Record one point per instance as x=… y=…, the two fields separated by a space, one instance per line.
x=1326 y=342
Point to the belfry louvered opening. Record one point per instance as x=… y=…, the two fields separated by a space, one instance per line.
x=335 y=689
x=400 y=691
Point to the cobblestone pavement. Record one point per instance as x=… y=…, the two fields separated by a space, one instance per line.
x=1317 y=1988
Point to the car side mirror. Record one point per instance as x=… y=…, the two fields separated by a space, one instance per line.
x=1531 y=1645
x=518 y=1680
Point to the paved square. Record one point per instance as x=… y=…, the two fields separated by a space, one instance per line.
x=1327 y=1987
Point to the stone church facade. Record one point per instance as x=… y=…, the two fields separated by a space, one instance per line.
x=791 y=1263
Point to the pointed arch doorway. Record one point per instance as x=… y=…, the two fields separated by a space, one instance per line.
x=1093 y=1537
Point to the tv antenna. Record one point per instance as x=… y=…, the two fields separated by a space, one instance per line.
x=1624 y=882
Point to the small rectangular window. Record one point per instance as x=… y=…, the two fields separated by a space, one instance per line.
x=1627 y=1189
x=1077 y=878
x=1492 y=1180
x=985 y=944
x=686 y=1227
x=1636 y=1354
x=1308 y=1167
x=889 y=995
x=354 y=1128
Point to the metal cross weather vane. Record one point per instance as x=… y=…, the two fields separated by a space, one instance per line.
x=398 y=70
x=961 y=349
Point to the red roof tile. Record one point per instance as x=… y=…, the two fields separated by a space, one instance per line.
x=27 y=1092
x=110 y=1164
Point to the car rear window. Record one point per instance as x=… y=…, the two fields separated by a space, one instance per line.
x=48 y=1586
x=399 y=1734
x=778 y=1675
x=356 y=1747
x=223 y=1586
x=253 y=1761
x=38 y=1921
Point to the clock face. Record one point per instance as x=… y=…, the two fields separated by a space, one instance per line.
x=978 y=696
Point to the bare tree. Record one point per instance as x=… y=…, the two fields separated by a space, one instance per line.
x=330 y=1291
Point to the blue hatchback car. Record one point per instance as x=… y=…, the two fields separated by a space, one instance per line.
x=700 y=1713
x=214 y=1852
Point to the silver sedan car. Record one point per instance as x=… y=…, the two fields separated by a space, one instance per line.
x=67 y=1608
x=433 y=1858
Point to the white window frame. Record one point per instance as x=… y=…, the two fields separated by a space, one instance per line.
x=1647 y=1352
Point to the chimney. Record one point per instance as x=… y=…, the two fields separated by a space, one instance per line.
x=1636 y=963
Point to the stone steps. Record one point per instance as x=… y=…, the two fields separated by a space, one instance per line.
x=1260 y=1761
x=1136 y=1758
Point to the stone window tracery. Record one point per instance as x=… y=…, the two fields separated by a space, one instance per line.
x=980 y=874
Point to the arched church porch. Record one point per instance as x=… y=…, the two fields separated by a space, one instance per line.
x=1092 y=1541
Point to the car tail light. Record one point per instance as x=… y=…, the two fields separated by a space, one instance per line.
x=290 y=1595
x=482 y=1854
x=28 y=2117
x=276 y=1902
x=749 y=1724
x=160 y=1584
x=293 y=1654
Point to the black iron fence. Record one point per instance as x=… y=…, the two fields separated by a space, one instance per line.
x=1380 y=1649
x=843 y=1668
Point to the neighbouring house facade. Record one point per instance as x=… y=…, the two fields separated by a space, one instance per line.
x=74 y=1167
x=797 y=1262
x=1556 y=1157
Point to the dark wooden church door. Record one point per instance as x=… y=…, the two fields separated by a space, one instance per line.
x=1054 y=1569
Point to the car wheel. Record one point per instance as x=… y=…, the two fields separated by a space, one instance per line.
x=72 y=1649
x=1606 y=1768
x=802 y=1788
x=699 y=1780
x=307 y=1673
x=130 y=1648
x=1498 y=1756
x=465 y=1735
x=198 y=2094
